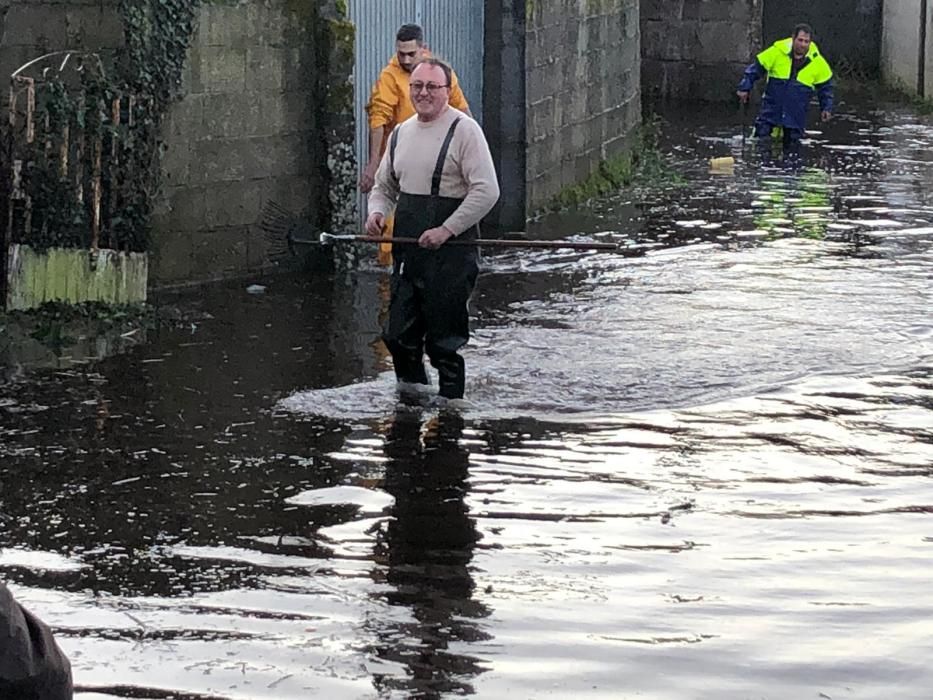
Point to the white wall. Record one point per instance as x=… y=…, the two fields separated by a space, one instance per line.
x=900 y=43
x=928 y=73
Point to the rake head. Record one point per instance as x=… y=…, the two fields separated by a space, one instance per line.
x=282 y=231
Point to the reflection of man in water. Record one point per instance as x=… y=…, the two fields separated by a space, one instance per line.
x=795 y=71
x=801 y=199
x=428 y=546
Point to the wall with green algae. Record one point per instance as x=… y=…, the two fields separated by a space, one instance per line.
x=74 y=276
x=583 y=96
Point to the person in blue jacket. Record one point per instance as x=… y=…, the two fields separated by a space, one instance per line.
x=795 y=70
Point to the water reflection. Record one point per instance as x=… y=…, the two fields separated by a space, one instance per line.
x=427 y=550
x=690 y=474
x=794 y=206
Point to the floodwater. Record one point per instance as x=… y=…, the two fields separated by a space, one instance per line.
x=700 y=472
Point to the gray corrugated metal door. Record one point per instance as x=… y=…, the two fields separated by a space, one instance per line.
x=453 y=29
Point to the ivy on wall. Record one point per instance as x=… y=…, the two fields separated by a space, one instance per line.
x=58 y=217
x=331 y=116
x=157 y=34
x=122 y=110
x=118 y=112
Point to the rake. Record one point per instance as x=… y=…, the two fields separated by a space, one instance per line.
x=284 y=233
x=330 y=238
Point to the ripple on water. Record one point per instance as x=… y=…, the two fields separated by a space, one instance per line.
x=699 y=473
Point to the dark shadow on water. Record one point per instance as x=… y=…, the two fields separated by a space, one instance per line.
x=427 y=549
x=143 y=470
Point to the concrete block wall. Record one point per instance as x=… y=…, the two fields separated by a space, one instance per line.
x=241 y=135
x=928 y=56
x=583 y=102
x=697 y=49
x=259 y=120
x=902 y=52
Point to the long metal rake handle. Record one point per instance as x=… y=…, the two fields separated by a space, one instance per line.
x=327 y=238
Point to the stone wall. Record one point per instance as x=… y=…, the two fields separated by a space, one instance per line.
x=582 y=90
x=697 y=49
x=902 y=52
x=504 y=109
x=248 y=130
x=927 y=91
x=265 y=114
x=849 y=33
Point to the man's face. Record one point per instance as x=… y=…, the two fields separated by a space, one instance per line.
x=409 y=54
x=801 y=44
x=429 y=91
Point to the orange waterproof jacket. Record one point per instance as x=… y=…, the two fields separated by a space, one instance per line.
x=390 y=101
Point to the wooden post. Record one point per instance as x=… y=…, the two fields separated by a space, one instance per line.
x=114 y=172
x=79 y=154
x=30 y=110
x=97 y=151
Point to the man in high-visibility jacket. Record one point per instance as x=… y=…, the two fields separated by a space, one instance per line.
x=795 y=70
x=390 y=105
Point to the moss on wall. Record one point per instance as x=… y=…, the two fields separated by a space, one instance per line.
x=643 y=162
x=611 y=175
x=75 y=276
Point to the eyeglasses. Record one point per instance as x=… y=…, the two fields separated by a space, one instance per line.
x=430 y=87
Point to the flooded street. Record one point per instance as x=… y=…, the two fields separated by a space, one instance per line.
x=702 y=470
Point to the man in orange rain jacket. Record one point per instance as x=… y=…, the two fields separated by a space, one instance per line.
x=390 y=105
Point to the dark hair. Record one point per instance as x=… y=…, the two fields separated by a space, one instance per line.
x=410 y=32
x=803 y=28
x=443 y=65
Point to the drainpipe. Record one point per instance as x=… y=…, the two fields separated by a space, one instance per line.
x=922 y=68
x=504 y=108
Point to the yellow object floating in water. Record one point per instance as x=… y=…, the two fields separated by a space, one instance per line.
x=723 y=166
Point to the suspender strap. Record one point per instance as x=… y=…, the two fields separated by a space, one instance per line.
x=393 y=142
x=441 y=159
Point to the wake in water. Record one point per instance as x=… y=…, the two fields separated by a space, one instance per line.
x=693 y=324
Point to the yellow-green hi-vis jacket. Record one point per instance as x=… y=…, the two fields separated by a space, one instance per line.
x=788 y=92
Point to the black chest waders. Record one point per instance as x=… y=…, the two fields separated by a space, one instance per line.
x=430 y=288
x=766 y=132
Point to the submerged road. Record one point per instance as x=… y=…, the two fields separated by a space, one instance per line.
x=701 y=473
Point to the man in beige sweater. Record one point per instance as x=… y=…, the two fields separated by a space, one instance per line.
x=438 y=177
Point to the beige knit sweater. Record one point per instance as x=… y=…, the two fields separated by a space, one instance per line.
x=469 y=173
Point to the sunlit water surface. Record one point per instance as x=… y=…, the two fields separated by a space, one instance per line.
x=698 y=470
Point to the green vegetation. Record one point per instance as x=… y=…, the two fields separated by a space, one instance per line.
x=58 y=325
x=643 y=164
x=897 y=92
x=80 y=117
